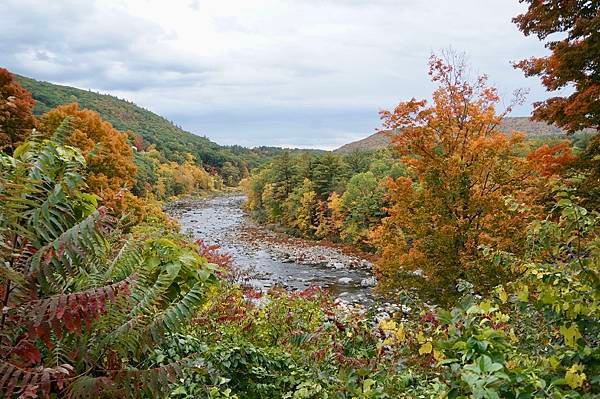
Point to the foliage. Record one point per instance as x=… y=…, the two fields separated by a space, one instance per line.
x=315 y=197
x=539 y=336
x=328 y=175
x=573 y=61
x=588 y=164
x=16 y=117
x=362 y=204
x=280 y=345
x=469 y=187
x=535 y=337
x=302 y=208
x=101 y=302
x=162 y=179
x=232 y=163
x=82 y=303
x=109 y=159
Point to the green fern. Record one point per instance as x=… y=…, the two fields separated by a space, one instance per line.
x=83 y=304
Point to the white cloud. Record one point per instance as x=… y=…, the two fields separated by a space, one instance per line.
x=304 y=72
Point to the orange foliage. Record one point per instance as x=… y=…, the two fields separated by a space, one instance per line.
x=110 y=166
x=16 y=117
x=552 y=160
x=573 y=61
x=469 y=189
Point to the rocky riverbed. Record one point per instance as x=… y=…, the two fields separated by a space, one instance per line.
x=269 y=258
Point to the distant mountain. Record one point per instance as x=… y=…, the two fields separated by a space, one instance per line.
x=376 y=141
x=532 y=129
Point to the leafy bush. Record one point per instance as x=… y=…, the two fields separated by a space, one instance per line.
x=82 y=303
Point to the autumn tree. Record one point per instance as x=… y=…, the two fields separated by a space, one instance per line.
x=301 y=208
x=254 y=187
x=284 y=172
x=306 y=219
x=571 y=30
x=16 y=117
x=273 y=207
x=108 y=155
x=363 y=206
x=468 y=188
x=336 y=213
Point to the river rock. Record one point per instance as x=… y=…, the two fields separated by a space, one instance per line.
x=368 y=282
x=257 y=250
x=336 y=265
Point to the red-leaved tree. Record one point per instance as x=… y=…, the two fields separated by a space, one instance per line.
x=16 y=117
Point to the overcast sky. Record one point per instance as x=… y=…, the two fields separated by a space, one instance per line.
x=296 y=73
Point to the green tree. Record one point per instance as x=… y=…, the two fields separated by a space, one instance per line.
x=358 y=161
x=362 y=203
x=306 y=164
x=146 y=176
x=284 y=175
x=329 y=175
x=231 y=173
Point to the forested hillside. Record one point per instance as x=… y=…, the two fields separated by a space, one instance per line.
x=173 y=142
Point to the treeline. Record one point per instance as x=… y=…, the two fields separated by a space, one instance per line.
x=327 y=196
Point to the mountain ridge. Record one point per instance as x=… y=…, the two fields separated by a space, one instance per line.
x=532 y=129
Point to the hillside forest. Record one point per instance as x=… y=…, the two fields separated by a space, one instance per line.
x=486 y=239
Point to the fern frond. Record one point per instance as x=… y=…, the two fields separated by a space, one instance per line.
x=71 y=251
x=69 y=312
x=14 y=379
x=127 y=261
x=64 y=131
x=177 y=312
x=148 y=298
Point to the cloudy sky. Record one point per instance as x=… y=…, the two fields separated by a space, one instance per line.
x=297 y=73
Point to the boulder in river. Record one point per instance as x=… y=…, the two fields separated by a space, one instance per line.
x=336 y=265
x=345 y=280
x=368 y=282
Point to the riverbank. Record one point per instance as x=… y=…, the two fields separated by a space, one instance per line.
x=270 y=258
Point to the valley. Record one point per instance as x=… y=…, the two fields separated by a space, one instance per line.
x=264 y=259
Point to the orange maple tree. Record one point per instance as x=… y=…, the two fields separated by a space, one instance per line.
x=574 y=61
x=469 y=188
x=109 y=157
x=16 y=117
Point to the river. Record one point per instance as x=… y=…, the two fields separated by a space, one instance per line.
x=268 y=258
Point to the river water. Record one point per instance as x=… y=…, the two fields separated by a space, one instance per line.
x=268 y=258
